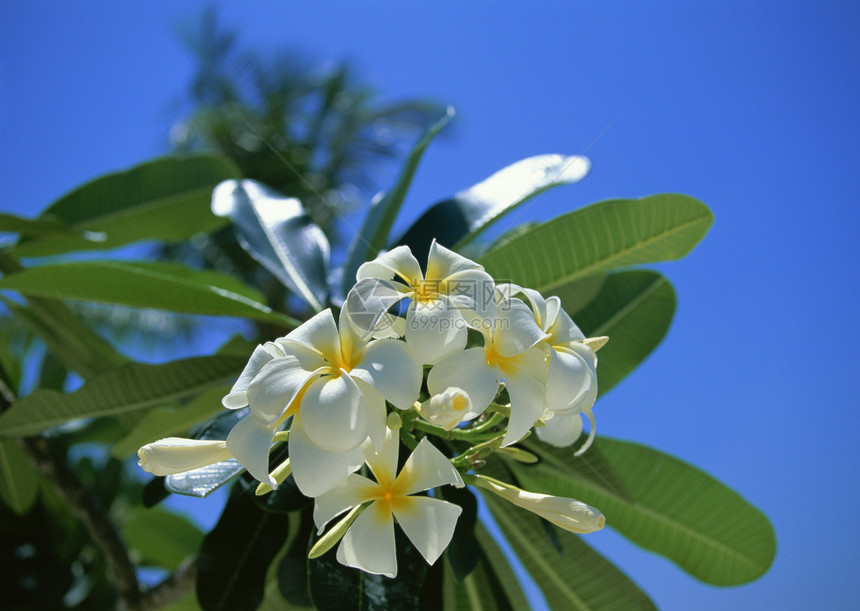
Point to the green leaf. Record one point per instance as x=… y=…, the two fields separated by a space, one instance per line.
x=234 y=558
x=457 y=221
x=277 y=232
x=335 y=587
x=144 y=285
x=376 y=228
x=634 y=308
x=9 y=223
x=667 y=506
x=481 y=590
x=129 y=388
x=496 y=563
x=76 y=347
x=576 y=578
x=463 y=553
x=600 y=237
x=19 y=483
x=164 y=199
x=167 y=421
x=161 y=538
x=577 y=294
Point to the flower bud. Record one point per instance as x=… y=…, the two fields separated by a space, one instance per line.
x=447 y=408
x=177 y=455
x=569 y=514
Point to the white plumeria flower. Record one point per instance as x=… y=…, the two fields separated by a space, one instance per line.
x=447 y=409
x=334 y=385
x=176 y=455
x=572 y=370
x=453 y=294
x=428 y=522
x=510 y=354
x=569 y=514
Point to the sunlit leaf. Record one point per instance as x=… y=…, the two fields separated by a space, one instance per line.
x=9 y=223
x=455 y=222
x=161 y=538
x=145 y=285
x=634 y=309
x=168 y=421
x=19 y=483
x=374 y=233
x=277 y=232
x=165 y=199
x=600 y=237
x=667 y=506
x=129 y=388
x=577 y=577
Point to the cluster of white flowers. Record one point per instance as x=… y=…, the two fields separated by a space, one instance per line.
x=499 y=360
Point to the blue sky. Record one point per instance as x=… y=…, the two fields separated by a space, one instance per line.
x=752 y=109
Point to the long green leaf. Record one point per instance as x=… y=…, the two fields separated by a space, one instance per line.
x=600 y=237
x=165 y=199
x=495 y=561
x=457 y=221
x=634 y=308
x=235 y=556
x=19 y=484
x=376 y=228
x=9 y=223
x=76 y=347
x=665 y=505
x=161 y=286
x=576 y=578
x=161 y=538
x=129 y=388
x=166 y=421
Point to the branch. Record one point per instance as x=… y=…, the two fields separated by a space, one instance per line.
x=86 y=506
x=88 y=509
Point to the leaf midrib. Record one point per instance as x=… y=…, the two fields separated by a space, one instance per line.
x=40 y=425
x=663 y=519
x=538 y=559
x=606 y=263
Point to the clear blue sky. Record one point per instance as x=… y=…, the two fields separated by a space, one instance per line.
x=752 y=109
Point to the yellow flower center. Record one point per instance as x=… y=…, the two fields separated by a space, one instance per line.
x=459 y=404
x=494 y=359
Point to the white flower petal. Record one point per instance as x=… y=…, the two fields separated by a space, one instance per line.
x=427 y=468
x=177 y=455
x=515 y=329
x=429 y=523
x=274 y=388
x=473 y=290
x=376 y=412
x=318 y=333
x=442 y=262
x=334 y=413
x=262 y=354
x=397 y=261
x=352 y=491
x=369 y=543
x=434 y=330
x=525 y=379
x=467 y=370
x=569 y=379
x=564 y=330
x=387 y=366
x=249 y=442
x=383 y=463
x=317 y=471
x=561 y=430
x=447 y=409
x=366 y=305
